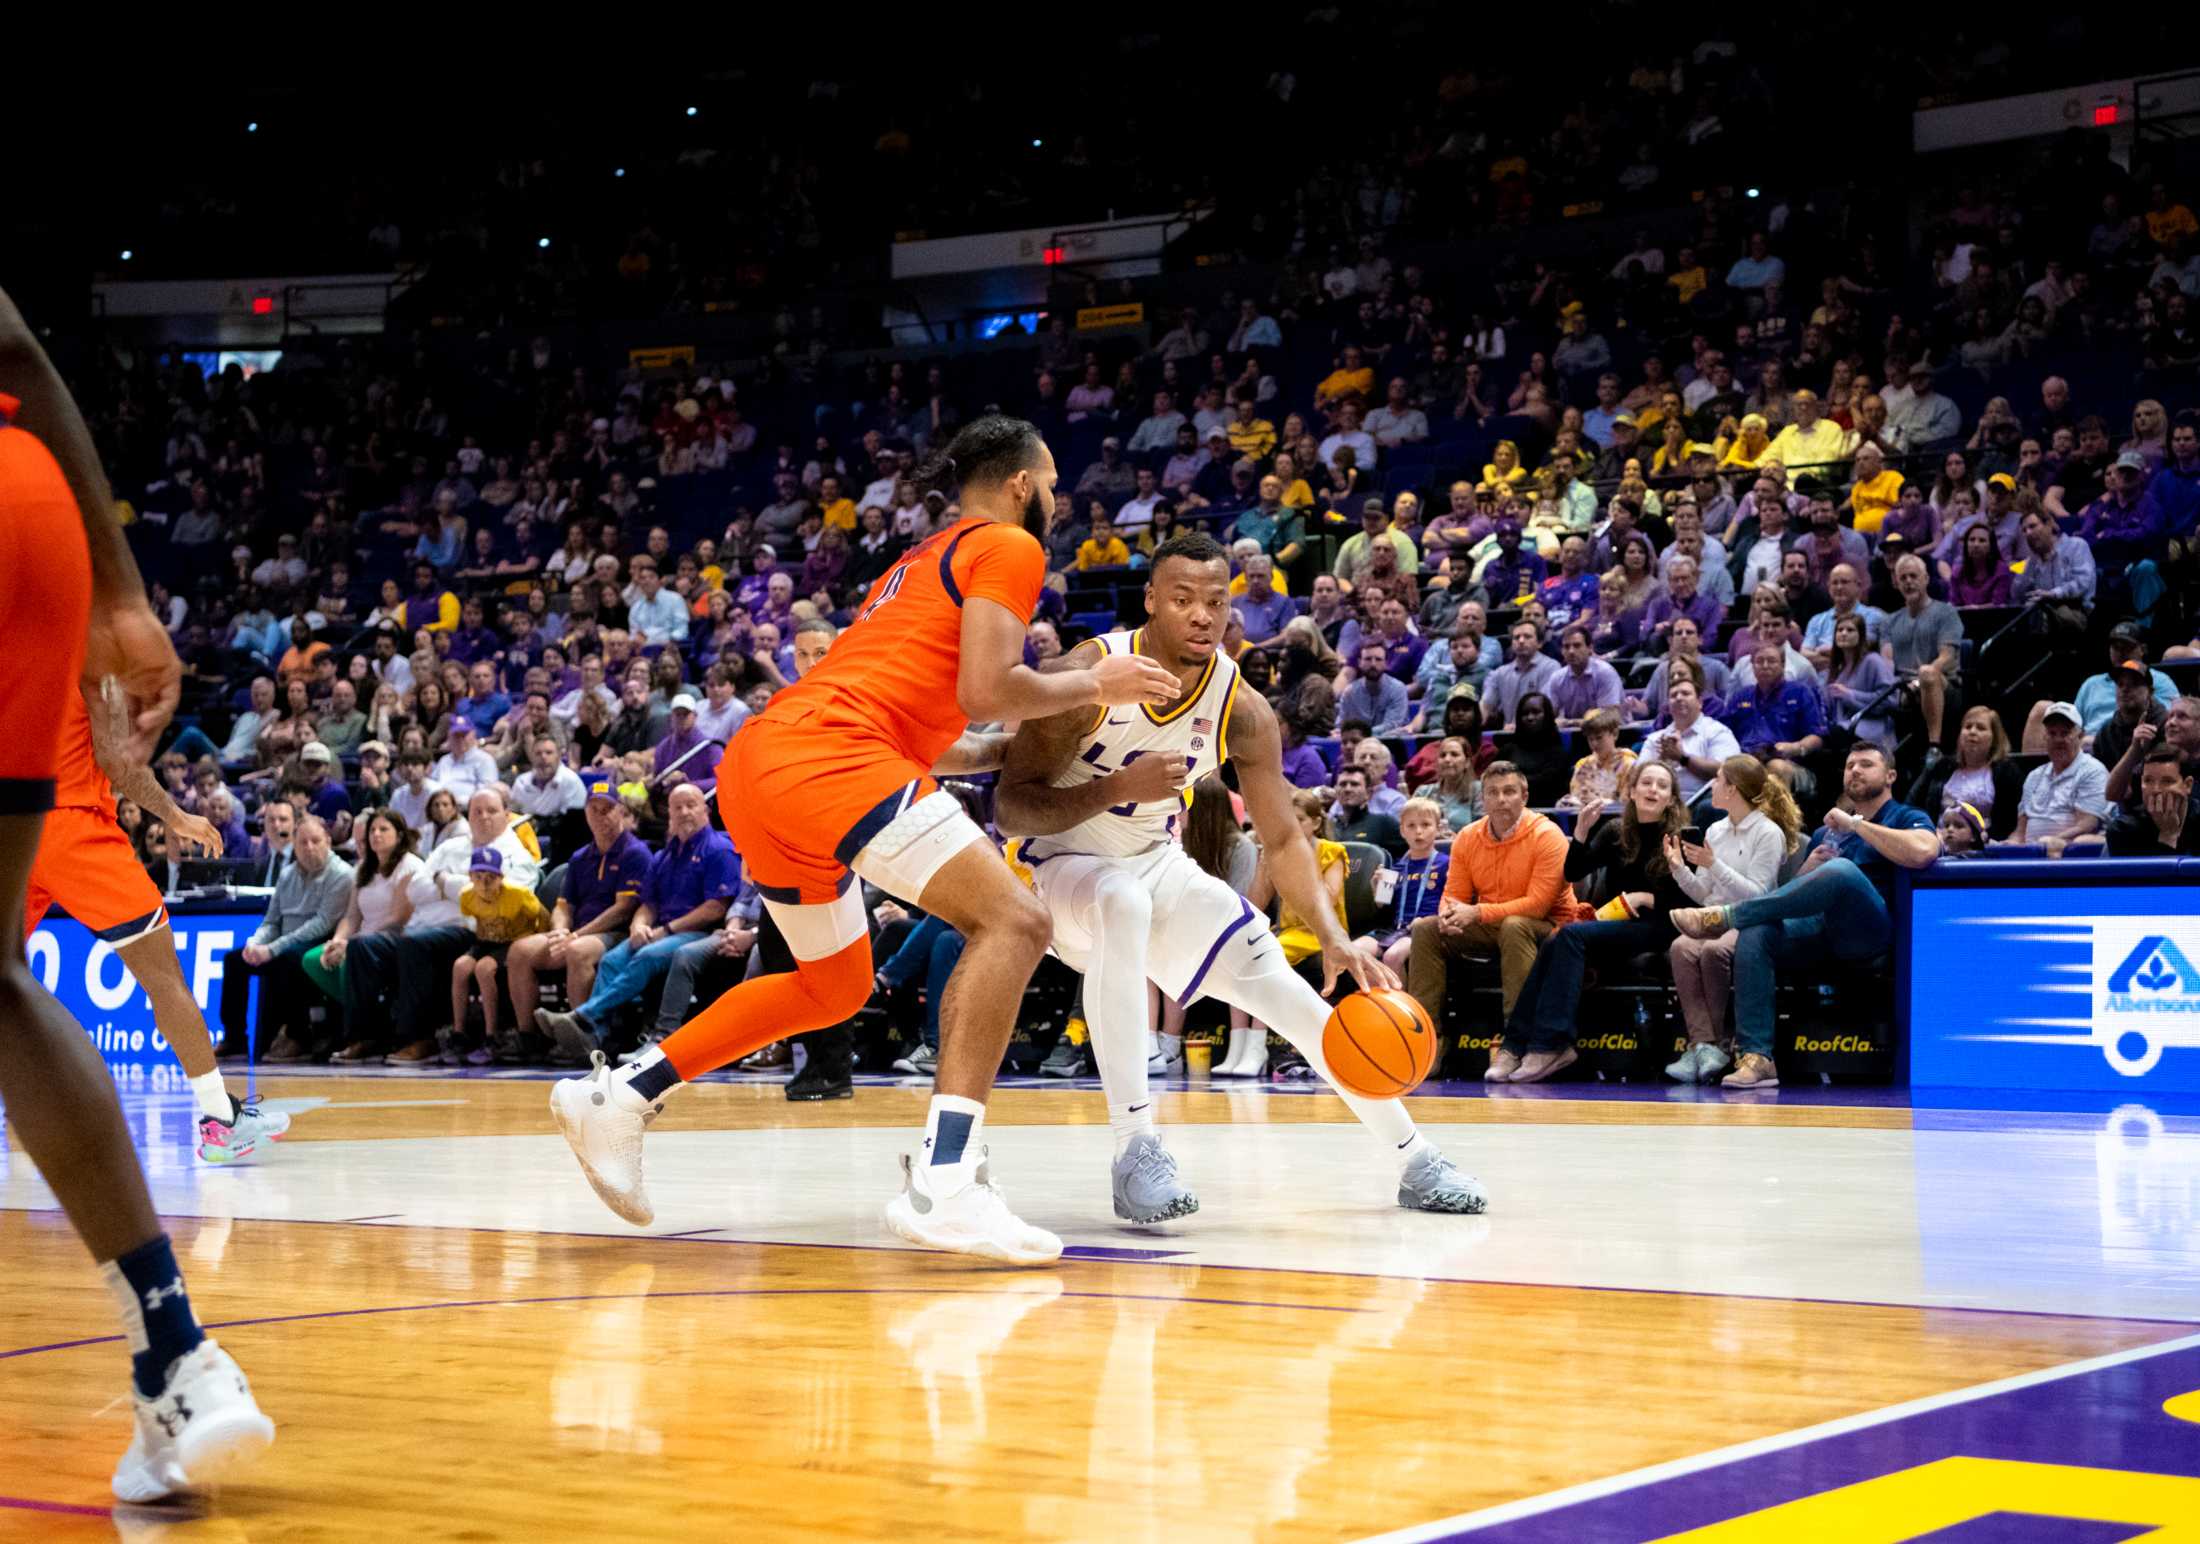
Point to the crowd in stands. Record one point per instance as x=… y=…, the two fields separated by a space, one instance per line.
x=1749 y=532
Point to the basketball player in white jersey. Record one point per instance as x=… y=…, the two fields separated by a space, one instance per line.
x=1097 y=795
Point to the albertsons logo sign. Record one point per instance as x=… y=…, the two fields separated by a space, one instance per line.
x=2143 y=994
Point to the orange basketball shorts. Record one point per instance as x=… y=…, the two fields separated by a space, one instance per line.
x=801 y=799
x=45 y=603
x=87 y=866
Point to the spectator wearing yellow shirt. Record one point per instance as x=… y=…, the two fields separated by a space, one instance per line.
x=1296 y=494
x=1689 y=276
x=1103 y=549
x=1813 y=440
x=500 y=914
x=2168 y=222
x=1251 y=434
x=1875 y=491
x=1748 y=447
x=1352 y=378
x=1503 y=470
x=838 y=509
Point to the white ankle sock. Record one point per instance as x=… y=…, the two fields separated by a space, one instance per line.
x=1129 y=1121
x=1413 y=1147
x=213 y=1098
x=965 y=1121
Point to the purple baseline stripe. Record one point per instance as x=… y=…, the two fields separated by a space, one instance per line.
x=1102 y=1252
x=1245 y=915
x=2109 y=1418
x=619 y=1297
x=64 y=1508
x=1212 y=1265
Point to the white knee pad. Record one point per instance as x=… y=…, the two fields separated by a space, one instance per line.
x=1113 y=906
x=916 y=844
x=820 y=932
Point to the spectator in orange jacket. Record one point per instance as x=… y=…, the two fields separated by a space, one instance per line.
x=1507 y=891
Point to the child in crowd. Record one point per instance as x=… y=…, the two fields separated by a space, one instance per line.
x=1598 y=775
x=1416 y=881
x=499 y=914
x=1103 y=549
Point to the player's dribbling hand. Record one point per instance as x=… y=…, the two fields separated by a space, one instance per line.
x=1123 y=680
x=1358 y=963
x=195 y=831
x=1155 y=775
x=129 y=646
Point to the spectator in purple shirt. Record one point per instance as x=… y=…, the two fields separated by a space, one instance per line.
x=2124 y=528
x=1570 y=595
x=701 y=768
x=1681 y=599
x=1402 y=647
x=1777 y=720
x=1261 y=609
x=1827 y=542
x=1512 y=573
x=1584 y=683
x=471 y=640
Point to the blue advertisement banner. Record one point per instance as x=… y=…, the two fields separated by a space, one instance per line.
x=2051 y=987
x=92 y=983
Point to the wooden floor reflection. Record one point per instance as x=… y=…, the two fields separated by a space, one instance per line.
x=445 y=1383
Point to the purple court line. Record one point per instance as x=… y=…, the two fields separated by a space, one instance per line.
x=1211 y=1265
x=377 y=1217
x=621 y=1297
x=65 y=1508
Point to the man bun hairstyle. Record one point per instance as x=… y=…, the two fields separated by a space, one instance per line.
x=984 y=452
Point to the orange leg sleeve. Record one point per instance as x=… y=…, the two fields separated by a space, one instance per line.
x=818 y=993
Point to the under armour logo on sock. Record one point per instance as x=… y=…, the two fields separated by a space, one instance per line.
x=159 y=1295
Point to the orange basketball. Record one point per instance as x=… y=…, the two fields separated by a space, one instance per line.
x=1379 y=1045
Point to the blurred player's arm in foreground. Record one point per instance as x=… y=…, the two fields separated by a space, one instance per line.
x=1028 y=804
x=979 y=750
x=1256 y=750
x=135 y=780
x=126 y=639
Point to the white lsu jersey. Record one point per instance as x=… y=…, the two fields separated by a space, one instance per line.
x=1195 y=726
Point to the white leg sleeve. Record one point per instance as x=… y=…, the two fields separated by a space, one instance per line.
x=1111 y=907
x=1253 y=975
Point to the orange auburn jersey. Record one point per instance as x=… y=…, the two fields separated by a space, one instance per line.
x=891 y=676
x=78 y=782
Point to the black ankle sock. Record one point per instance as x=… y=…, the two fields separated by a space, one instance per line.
x=652 y=1081
x=156 y=1312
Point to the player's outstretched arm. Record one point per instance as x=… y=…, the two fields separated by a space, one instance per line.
x=1256 y=750
x=977 y=751
x=993 y=682
x=1028 y=804
x=125 y=640
x=135 y=780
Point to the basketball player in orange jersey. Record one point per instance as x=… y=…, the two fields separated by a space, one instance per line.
x=834 y=780
x=85 y=862
x=72 y=610
x=1097 y=795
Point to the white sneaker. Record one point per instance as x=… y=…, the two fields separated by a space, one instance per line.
x=1167 y=1054
x=603 y=1120
x=204 y=1424
x=235 y=1140
x=972 y=1218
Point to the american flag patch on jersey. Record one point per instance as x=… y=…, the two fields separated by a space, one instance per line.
x=1203 y=726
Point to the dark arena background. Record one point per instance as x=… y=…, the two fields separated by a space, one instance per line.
x=1703 y=624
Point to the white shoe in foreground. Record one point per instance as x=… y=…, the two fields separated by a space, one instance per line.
x=205 y=1424
x=972 y=1218
x=603 y=1120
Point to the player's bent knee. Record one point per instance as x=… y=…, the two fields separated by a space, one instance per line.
x=840 y=984
x=1023 y=921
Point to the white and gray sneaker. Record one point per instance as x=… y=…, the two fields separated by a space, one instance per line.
x=921 y=1060
x=603 y=1119
x=204 y=1424
x=1166 y=1054
x=957 y=1207
x=1433 y=1183
x=1702 y=1062
x=1066 y=1060
x=1146 y=1187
